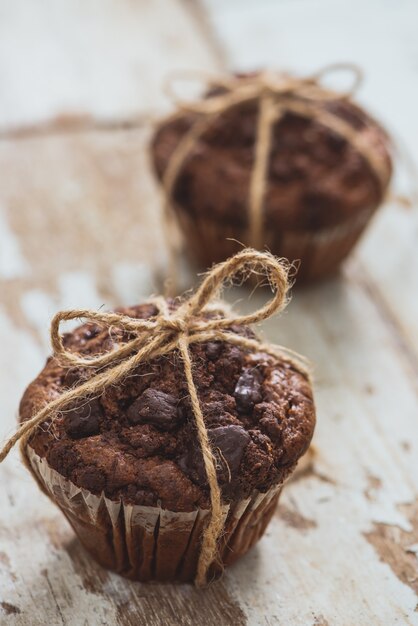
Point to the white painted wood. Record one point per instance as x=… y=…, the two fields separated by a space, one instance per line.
x=79 y=219
x=100 y=57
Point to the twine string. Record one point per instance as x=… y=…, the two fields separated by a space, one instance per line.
x=161 y=335
x=268 y=115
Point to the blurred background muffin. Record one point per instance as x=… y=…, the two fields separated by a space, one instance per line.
x=320 y=189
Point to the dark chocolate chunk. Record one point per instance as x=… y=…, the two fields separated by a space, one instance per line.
x=248 y=390
x=83 y=419
x=213 y=350
x=228 y=444
x=154 y=407
x=230 y=441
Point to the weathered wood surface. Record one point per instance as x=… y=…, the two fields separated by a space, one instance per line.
x=79 y=217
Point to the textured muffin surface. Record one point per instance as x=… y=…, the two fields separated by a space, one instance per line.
x=137 y=441
x=316 y=178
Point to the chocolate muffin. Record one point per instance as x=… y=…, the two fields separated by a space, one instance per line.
x=126 y=467
x=320 y=193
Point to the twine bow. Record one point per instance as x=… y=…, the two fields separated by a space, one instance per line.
x=161 y=335
x=277 y=94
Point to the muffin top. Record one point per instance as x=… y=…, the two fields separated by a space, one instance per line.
x=316 y=178
x=138 y=441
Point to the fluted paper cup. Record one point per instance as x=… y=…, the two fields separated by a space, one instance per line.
x=149 y=543
x=321 y=252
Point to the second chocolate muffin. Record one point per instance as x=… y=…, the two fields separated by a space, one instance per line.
x=320 y=190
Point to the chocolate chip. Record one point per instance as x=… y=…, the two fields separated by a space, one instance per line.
x=154 y=407
x=248 y=390
x=230 y=441
x=228 y=444
x=184 y=408
x=213 y=350
x=83 y=419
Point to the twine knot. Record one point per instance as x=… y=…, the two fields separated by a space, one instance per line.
x=194 y=321
x=175 y=324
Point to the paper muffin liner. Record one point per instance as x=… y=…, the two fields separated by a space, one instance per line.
x=321 y=252
x=149 y=543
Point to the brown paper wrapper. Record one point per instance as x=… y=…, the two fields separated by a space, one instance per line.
x=149 y=543
x=321 y=252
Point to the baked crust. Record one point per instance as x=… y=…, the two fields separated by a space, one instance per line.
x=137 y=441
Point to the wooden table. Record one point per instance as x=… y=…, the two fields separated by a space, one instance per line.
x=79 y=227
